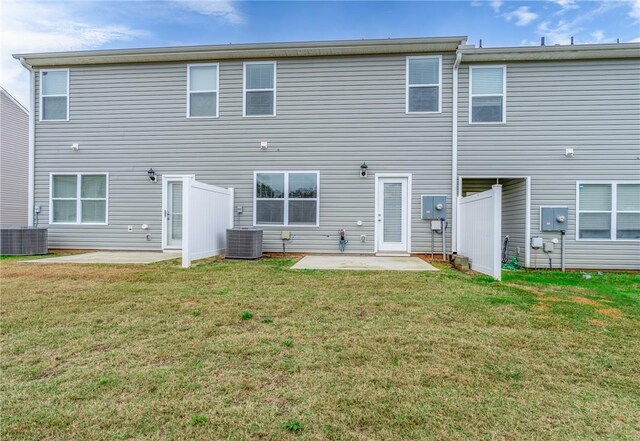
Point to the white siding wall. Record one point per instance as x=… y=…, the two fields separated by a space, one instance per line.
x=14 y=162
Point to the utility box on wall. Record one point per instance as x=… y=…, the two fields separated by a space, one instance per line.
x=554 y=218
x=433 y=207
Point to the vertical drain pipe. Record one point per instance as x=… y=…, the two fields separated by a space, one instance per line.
x=454 y=156
x=32 y=137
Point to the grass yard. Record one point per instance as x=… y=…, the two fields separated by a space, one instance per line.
x=253 y=350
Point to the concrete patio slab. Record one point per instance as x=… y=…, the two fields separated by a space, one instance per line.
x=111 y=257
x=374 y=263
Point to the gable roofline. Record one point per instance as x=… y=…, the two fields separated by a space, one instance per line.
x=549 y=53
x=15 y=101
x=245 y=51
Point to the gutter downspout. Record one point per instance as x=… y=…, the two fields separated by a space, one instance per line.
x=454 y=157
x=32 y=132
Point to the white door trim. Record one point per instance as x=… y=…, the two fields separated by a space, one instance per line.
x=408 y=176
x=165 y=180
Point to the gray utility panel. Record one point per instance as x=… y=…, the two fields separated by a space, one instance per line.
x=433 y=207
x=553 y=218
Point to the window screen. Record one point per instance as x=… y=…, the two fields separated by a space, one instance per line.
x=423 y=84
x=286 y=198
x=203 y=91
x=487 y=94
x=260 y=89
x=54 y=95
x=79 y=198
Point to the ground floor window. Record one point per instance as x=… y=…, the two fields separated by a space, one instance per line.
x=79 y=198
x=286 y=198
x=608 y=210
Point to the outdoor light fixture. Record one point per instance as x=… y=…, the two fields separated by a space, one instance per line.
x=363 y=169
x=152 y=175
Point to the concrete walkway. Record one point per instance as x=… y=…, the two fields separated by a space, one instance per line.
x=111 y=257
x=375 y=263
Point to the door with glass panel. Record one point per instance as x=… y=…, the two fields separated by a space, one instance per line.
x=173 y=214
x=393 y=214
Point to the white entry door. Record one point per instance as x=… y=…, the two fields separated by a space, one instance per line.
x=173 y=214
x=393 y=214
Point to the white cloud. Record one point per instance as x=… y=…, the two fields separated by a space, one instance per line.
x=559 y=33
x=635 y=40
x=495 y=4
x=522 y=15
x=597 y=36
x=45 y=27
x=635 y=9
x=224 y=9
x=566 y=4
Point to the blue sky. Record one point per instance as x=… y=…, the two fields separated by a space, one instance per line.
x=38 y=26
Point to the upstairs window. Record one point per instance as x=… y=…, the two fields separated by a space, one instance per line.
x=78 y=198
x=487 y=102
x=202 y=95
x=286 y=198
x=609 y=211
x=54 y=95
x=260 y=88
x=423 y=84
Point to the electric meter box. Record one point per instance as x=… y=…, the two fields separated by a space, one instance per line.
x=554 y=218
x=433 y=207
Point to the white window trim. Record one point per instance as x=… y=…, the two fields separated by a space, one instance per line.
x=408 y=86
x=78 y=198
x=613 y=212
x=286 y=199
x=217 y=90
x=57 y=95
x=245 y=90
x=504 y=93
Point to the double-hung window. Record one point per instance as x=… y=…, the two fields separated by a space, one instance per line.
x=424 y=91
x=488 y=96
x=286 y=198
x=608 y=211
x=260 y=88
x=79 y=198
x=54 y=95
x=202 y=93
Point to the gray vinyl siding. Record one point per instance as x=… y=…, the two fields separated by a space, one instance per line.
x=14 y=162
x=592 y=106
x=332 y=114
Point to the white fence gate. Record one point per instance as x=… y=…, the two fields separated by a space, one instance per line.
x=479 y=228
x=207 y=213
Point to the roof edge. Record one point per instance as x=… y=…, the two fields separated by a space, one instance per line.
x=245 y=51
x=558 y=52
x=14 y=100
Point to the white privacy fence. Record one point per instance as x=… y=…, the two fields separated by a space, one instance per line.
x=207 y=213
x=479 y=227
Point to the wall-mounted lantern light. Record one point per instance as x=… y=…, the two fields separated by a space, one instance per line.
x=363 y=170
x=152 y=175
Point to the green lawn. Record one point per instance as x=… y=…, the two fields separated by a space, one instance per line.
x=253 y=350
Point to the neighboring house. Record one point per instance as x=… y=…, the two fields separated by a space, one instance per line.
x=14 y=161
x=288 y=126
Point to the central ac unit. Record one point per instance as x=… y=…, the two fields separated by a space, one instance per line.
x=244 y=243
